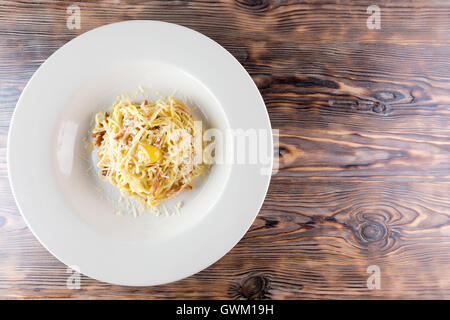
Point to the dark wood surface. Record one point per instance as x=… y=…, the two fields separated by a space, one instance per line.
x=364 y=120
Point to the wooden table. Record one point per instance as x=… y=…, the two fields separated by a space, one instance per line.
x=364 y=122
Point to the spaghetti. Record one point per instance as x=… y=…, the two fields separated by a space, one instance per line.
x=149 y=150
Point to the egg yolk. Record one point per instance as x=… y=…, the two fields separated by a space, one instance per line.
x=148 y=154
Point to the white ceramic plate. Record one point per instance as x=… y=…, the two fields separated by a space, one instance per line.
x=72 y=214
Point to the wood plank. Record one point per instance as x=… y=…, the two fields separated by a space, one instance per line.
x=315 y=241
x=295 y=21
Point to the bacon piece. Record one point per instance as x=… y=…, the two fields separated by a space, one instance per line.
x=172 y=191
x=119 y=135
x=98 y=137
x=156 y=183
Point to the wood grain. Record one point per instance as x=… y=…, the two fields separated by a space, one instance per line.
x=364 y=128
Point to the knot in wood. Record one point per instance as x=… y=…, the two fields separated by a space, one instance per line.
x=254 y=5
x=372 y=231
x=380 y=108
x=283 y=151
x=270 y=223
x=388 y=96
x=254 y=287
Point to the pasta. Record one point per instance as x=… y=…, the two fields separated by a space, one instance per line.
x=149 y=150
